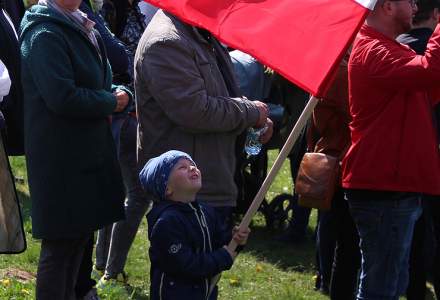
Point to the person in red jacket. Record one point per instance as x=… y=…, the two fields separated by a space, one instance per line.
x=394 y=156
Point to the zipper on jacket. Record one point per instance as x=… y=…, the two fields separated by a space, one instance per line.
x=161 y=285
x=207 y=288
x=201 y=226
x=207 y=229
x=204 y=243
x=207 y=281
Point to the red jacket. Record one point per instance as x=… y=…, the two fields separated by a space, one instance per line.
x=394 y=144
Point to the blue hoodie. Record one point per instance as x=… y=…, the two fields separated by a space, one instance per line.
x=186 y=250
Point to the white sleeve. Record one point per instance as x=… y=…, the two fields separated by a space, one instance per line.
x=5 y=81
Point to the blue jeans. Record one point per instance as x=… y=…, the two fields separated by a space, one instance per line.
x=385 y=222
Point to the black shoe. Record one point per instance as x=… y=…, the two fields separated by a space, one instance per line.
x=324 y=290
x=321 y=286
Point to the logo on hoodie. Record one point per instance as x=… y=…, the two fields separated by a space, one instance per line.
x=174 y=248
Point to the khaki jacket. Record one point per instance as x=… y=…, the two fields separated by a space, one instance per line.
x=183 y=103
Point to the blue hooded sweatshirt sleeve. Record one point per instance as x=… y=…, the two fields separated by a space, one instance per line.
x=116 y=52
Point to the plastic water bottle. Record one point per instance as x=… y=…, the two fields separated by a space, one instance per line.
x=253 y=146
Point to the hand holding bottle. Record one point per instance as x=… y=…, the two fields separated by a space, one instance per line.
x=264 y=113
x=266 y=134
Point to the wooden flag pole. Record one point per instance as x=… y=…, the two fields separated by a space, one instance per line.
x=293 y=137
x=285 y=151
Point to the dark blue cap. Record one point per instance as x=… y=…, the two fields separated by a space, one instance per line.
x=154 y=175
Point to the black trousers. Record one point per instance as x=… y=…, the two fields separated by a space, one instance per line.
x=425 y=245
x=339 y=256
x=64 y=264
x=84 y=282
x=435 y=214
x=417 y=260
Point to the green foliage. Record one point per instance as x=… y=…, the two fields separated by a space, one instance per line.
x=15 y=290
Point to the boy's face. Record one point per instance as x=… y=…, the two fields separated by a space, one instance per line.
x=185 y=179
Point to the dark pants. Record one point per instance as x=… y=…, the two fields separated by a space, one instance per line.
x=385 y=222
x=417 y=266
x=338 y=250
x=84 y=281
x=58 y=268
x=325 y=248
x=114 y=241
x=435 y=214
x=298 y=224
x=425 y=251
x=347 y=259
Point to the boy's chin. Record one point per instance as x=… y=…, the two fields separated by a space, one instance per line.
x=196 y=187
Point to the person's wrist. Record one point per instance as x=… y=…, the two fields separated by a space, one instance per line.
x=115 y=102
x=232 y=254
x=261 y=113
x=260 y=121
x=239 y=248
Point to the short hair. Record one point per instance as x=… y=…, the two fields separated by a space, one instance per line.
x=424 y=10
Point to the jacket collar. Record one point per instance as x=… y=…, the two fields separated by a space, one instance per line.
x=369 y=32
x=41 y=14
x=189 y=29
x=163 y=205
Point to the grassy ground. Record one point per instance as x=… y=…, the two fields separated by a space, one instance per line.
x=266 y=269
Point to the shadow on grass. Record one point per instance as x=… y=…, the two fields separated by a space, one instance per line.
x=137 y=294
x=287 y=256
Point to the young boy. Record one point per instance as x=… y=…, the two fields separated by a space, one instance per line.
x=188 y=246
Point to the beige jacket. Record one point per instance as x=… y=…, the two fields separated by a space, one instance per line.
x=183 y=103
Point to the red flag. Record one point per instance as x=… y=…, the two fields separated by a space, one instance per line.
x=303 y=40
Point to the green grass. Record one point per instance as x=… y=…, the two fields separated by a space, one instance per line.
x=266 y=269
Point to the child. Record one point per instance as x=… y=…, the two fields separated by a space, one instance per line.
x=187 y=243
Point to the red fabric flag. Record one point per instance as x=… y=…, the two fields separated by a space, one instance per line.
x=303 y=40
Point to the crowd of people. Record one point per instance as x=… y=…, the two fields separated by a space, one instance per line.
x=123 y=110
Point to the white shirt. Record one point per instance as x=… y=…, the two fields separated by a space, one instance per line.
x=5 y=81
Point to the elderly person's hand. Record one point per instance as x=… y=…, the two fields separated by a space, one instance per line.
x=122 y=99
x=264 y=113
x=267 y=134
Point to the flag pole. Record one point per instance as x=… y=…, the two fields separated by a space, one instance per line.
x=285 y=151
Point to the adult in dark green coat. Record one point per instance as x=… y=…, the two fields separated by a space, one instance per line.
x=74 y=177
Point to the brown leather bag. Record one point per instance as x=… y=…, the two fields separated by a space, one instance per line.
x=317 y=179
